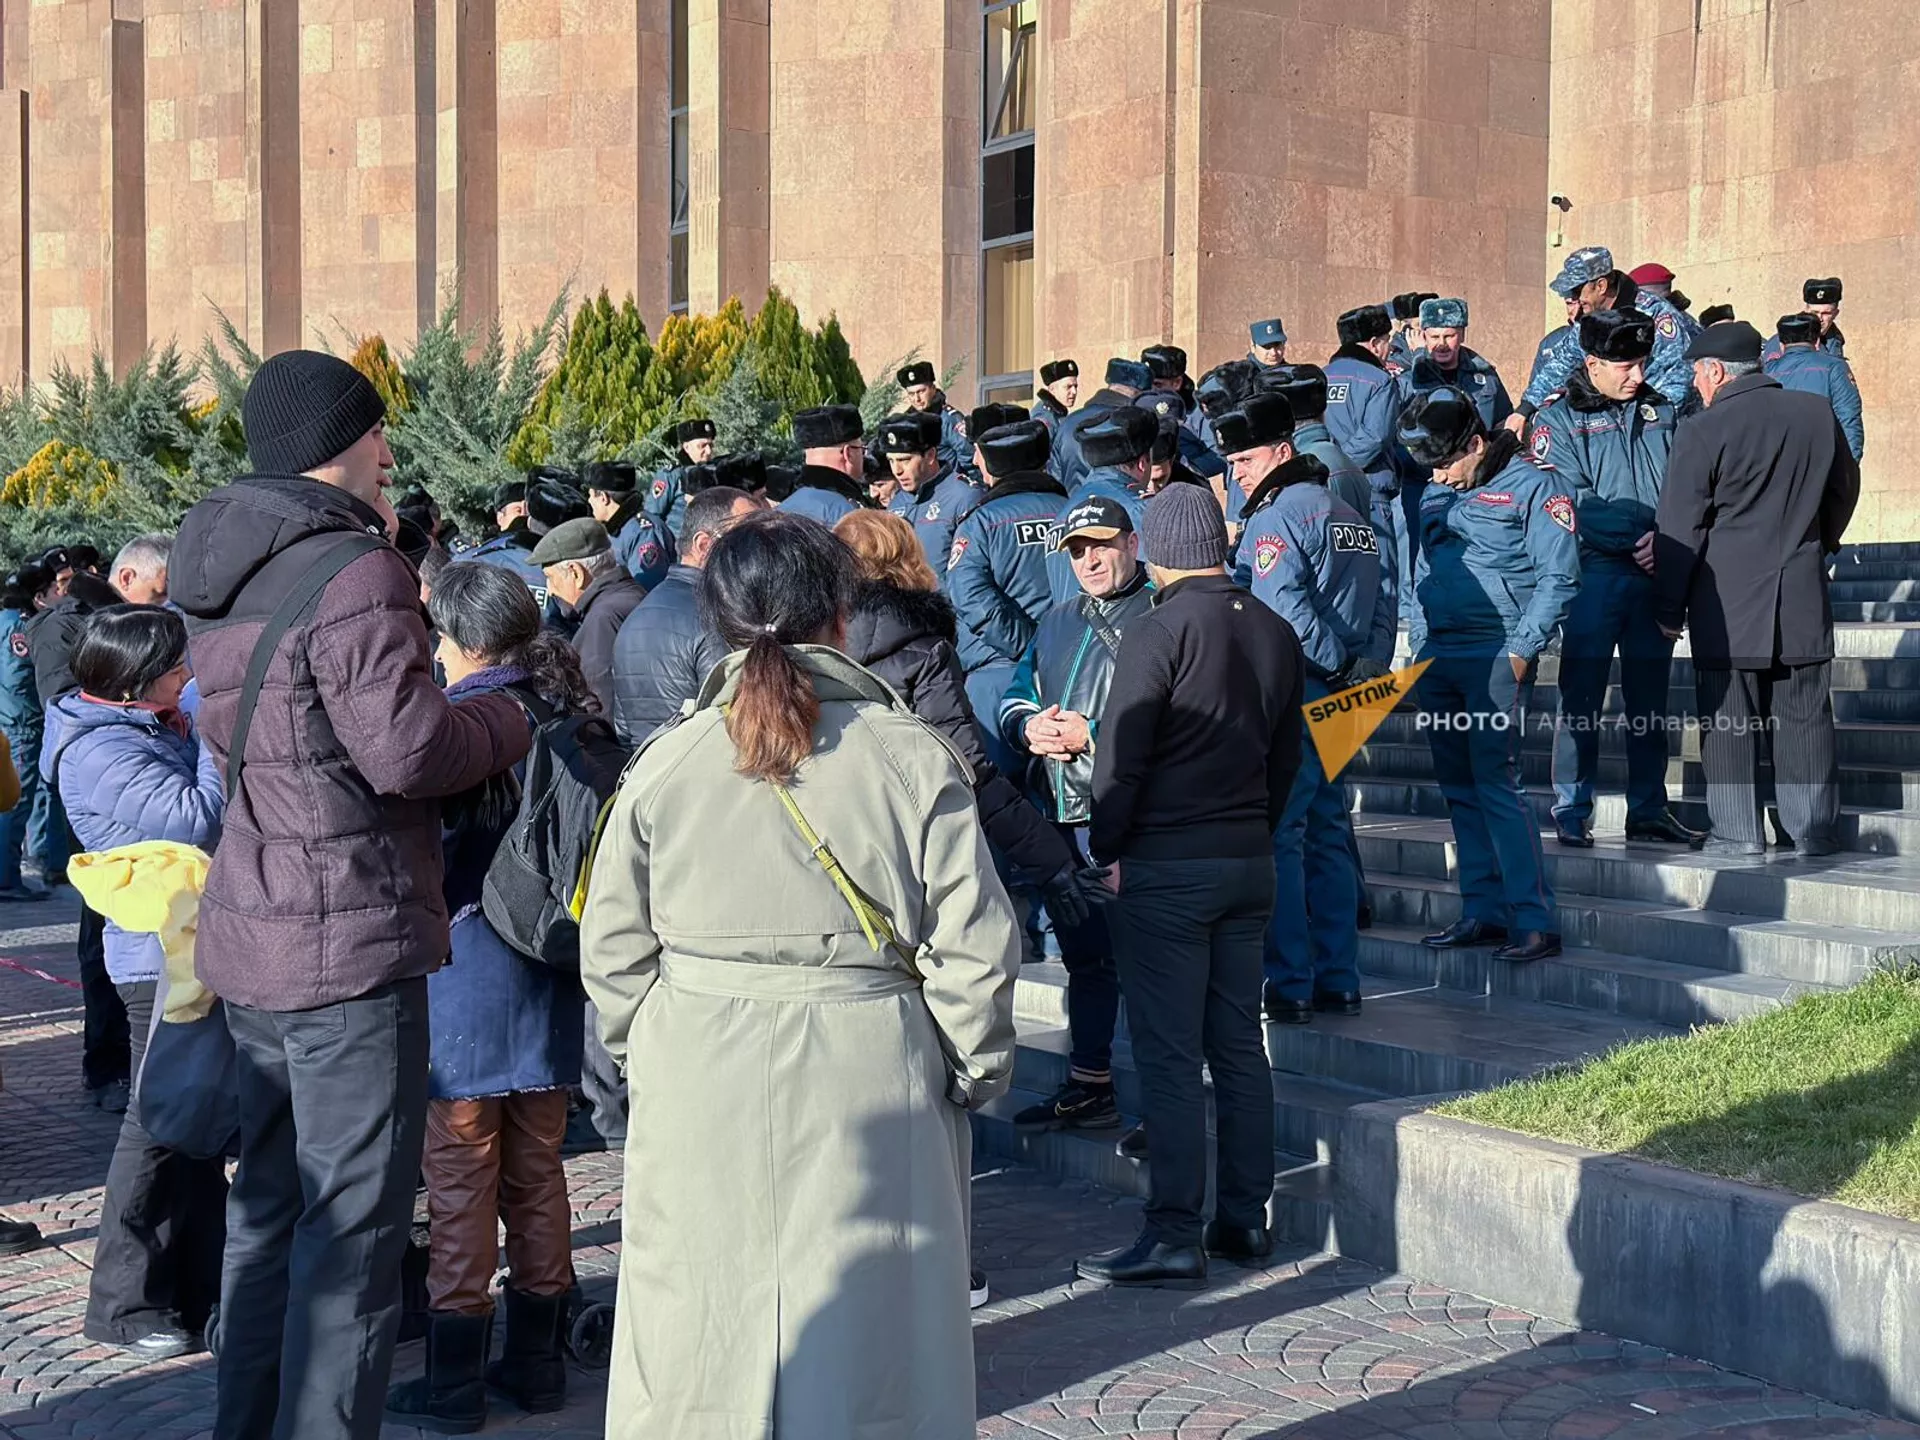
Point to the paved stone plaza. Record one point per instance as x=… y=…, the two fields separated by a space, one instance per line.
x=1316 y=1347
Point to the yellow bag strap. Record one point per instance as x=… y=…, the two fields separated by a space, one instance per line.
x=874 y=923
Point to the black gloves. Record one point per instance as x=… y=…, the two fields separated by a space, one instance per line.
x=1073 y=892
x=1361 y=669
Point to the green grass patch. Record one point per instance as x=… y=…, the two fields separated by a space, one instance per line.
x=1820 y=1098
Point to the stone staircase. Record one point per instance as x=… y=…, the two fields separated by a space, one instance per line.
x=1657 y=938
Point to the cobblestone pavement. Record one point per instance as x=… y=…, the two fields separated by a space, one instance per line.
x=1316 y=1348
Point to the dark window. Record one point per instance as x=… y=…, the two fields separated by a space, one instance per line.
x=1006 y=178
x=679 y=178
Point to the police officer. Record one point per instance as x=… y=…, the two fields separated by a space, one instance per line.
x=930 y=496
x=639 y=544
x=1607 y=437
x=1306 y=391
x=920 y=390
x=666 y=503
x=1499 y=565
x=1717 y=315
x=1821 y=299
x=1363 y=416
x=980 y=420
x=1404 y=311
x=997 y=571
x=832 y=475
x=1127 y=381
x=1668 y=370
x=1051 y=715
x=1119 y=451
x=1221 y=389
x=1059 y=392
x=1800 y=363
x=1584 y=284
x=1314 y=560
x=1268 y=343
x=1445 y=360
x=513 y=546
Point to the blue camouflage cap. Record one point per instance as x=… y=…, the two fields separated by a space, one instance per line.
x=1268 y=332
x=1583 y=267
x=1131 y=373
x=1443 y=314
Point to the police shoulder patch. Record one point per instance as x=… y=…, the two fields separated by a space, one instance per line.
x=1649 y=413
x=649 y=554
x=1266 y=554
x=18 y=644
x=1542 y=445
x=1559 y=509
x=659 y=487
x=959 y=549
x=1667 y=326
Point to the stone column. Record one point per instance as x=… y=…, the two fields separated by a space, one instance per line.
x=15 y=317
x=273 y=175
x=124 y=172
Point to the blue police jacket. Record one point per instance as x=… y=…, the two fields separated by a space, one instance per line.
x=1344 y=478
x=1474 y=376
x=935 y=511
x=1614 y=455
x=640 y=545
x=1499 y=563
x=1399 y=352
x=1115 y=485
x=1363 y=414
x=1821 y=372
x=1314 y=561
x=666 y=498
x=997 y=573
x=20 y=712
x=1047 y=410
x=1550 y=356
x=1065 y=463
x=823 y=495
x=509 y=550
x=1668 y=369
x=1831 y=343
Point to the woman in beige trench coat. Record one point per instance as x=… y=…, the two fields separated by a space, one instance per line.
x=794 y=1253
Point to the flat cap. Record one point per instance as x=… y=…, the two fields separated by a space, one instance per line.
x=1363 y=323
x=1617 y=334
x=1438 y=314
x=919 y=372
x=1582 y=267
x=1436 y=426
x=826 y=426
x=1058 y=370
x=1164 y=362
x=1821 y=292
x=1119 y=438
x=1268 y=332
x=912 y=433
x=1023 y=446
x=574 y=540
x=1736 y=341
x=1130 y=373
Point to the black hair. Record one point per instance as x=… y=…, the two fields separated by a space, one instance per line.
x=709 y=512
x=775 y=580
x=489 y=613
x=123 y=649
x=29 y=581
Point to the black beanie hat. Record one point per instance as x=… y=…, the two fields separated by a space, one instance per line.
x=1265 y=419
x=1437 y=425
x=1120 y=439
x=1617 y=334
x=826 y=426
x=1799 y=329
x=609 y=477
x=992 y=416
x=1305 y=387
x=1367 y=322
x=1022 y=446
x=303 y=408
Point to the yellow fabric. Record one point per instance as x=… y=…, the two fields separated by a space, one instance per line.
x=153 y=887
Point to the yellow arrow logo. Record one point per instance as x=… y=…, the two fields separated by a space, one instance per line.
x=1342 y=722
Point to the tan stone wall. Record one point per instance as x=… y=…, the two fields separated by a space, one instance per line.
x=1764 y=145
x=68 y=187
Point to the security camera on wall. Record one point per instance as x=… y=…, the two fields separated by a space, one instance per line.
x=1563 y=205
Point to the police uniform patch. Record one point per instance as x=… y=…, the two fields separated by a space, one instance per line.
x=649 y=555
x=1033 y=532
x=1559 y=509
x=1337 y=392
x=1350 y=539
x=959 y=549
x=1482 y=380
x=1648 y=413
x=1266 y=554
x=1495 y=497
x=1542 y=445
x=659 y=487
x=1667 y=326
x=933 y=511
x=18 y=644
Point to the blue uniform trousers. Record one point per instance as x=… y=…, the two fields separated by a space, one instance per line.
x=1614 y=608
x=1313 y=942
x=17 y=821
x=1398 y=518
x=1476 y=716
x=986 y=688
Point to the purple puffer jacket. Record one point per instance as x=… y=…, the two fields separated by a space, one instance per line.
x=125 y=777
x=327 y=882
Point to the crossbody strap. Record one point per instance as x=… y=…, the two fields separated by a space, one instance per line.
x=304 y=593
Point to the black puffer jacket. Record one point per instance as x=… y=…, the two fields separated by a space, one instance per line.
x=661 y=656
x=906 y=638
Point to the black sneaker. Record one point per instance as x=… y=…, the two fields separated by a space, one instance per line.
x=976 y=1288
x=1076 y=1105
x=17 y=1237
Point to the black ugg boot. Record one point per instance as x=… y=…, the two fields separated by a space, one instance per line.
x=532 y=1369
x=451 y=1398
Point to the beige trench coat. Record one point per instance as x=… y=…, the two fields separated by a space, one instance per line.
x=794 y=1247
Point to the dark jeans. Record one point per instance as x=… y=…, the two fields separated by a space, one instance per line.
x=602 y=1085
x=14 y=824
x=1188 y=940
x=333 y=1106
x=1093 y=985
x=106 y=1053
x=162 y=1227
x=1793 y=707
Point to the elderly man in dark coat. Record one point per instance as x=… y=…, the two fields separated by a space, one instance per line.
x=1759 y=491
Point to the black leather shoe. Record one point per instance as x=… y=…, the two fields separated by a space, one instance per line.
x=1337 y=1002
x=1147 y=1262
x=1363 y=917
x=1249 y=1245
x=1133 y=1145
x=1529 y=945
x=1464 y=934
x=1282 y=1011
x=1575 y=834
x=1666 y=829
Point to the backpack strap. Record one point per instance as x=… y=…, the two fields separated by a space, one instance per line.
x=305 y=593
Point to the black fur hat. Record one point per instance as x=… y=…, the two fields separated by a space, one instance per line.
x=508 y=492
x=552 y=502
x=1058 y=370
x=913 y=432
x=694 y=430
x=744 y=471
x=1437 y=426
x=1305 y=387
x=1821 y=292
x=1265 y=419
x=1024 y=445
x=1368 y=322
x=992 y=416
x=1121 y=438
x=826 y=426
x=1164 y=362
x=1799 y=330
x=1714 y=314
x=1224 y=387
x=609 y=477
x=1617 y=334
x=920 y=372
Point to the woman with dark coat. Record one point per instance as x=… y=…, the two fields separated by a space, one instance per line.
x=904 y=630
x=505 y=1049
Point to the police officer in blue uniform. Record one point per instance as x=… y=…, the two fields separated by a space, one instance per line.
x=1363 y=416
x=1059 y=392
x=1499 y=565
x=511 y=548
x=1267 y=347
x=1820 y=299
x=1446 y=361
x=1404 y=311
x=1224 y=388
x=1589 y=282
x=639 y=544
x=1119 y=451
x=980 y=420
x=1306 y=391
x=1799 y=363
x=1607 y=438
x=666 y=502
x=931 y=497
x=23 y=722
x=997 y=571
x=1127 y=380
x=1314 y=560
x=833 y=468
x=920 y=390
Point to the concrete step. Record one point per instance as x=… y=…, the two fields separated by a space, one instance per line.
x=1806 y=953
x=1878 y=550
x=1903 y=611
x=1848 y=587
x=1847 y=674
x=1660 y=991
x=1880 y=706
x=1857 y=743
x=1850 y=569
x=1853 y=638
x=1874 y=892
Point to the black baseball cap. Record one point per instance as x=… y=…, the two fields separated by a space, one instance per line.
x=1098 y=517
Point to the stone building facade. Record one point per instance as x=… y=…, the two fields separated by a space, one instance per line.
x=999 y=181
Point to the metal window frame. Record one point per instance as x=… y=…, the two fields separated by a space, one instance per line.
x=678 y=13
x=990 y=107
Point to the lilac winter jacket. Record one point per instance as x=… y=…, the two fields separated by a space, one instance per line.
x=124 y=777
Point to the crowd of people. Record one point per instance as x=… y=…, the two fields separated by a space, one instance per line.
x=975 y=688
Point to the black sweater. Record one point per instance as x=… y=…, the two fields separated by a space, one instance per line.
x=1202 y=731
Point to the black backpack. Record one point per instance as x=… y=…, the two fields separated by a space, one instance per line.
x=530 y=894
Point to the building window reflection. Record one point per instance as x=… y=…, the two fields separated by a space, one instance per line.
x=1010 y=36
x=680 y=204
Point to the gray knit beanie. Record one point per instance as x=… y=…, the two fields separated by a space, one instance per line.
x=1184 y=529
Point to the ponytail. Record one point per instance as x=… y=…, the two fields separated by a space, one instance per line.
x=773 y=713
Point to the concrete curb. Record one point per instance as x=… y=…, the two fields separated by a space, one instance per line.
x=1802 y=1293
